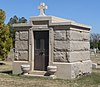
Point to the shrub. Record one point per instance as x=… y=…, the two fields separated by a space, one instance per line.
x=5 y=39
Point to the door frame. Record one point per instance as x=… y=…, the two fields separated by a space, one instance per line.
x=31 y=45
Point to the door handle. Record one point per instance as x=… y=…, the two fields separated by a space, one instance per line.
x=41 y=53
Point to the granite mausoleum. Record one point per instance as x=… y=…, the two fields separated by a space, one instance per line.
x=53 y=41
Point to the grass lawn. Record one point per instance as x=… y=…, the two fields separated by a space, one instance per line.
x=96 y=59
x=22 y=81
x=9 y=80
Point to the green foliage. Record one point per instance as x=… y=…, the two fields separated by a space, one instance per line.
x=2 y=16
x=22 y=20
x=15 y=20
x=95 y=40
x=5 y=39
x=99 y=44
x=12 y=34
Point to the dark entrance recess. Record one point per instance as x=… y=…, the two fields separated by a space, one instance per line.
x=41 y=50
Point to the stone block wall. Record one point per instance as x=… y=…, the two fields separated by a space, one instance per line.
x=61 y=46
x=73 y=70
x=81 y=68
x=21 y=45
x=79 y=45
x=71 y=45
x=77 y=35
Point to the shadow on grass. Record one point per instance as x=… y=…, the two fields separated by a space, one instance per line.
x=1 y=63
x=7 y=72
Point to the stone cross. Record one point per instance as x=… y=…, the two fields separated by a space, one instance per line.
x=42 y=9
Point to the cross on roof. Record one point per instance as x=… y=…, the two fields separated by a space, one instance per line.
x=42 y=9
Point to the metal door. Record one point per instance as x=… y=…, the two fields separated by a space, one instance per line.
x=41 y=50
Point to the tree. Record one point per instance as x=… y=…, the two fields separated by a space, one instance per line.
x=15 y=20
x=99 y=44
x=5 y=39
x=22 y=20
x=94 y=40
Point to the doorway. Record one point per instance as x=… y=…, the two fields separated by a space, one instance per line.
x=41 y=50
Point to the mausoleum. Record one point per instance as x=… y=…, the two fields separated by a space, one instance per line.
x=53 y=41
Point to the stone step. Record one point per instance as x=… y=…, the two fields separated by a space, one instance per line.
x=40 y=76
x=38 y=72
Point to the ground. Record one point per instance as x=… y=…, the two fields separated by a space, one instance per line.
x=96 y=58
x=9 y=80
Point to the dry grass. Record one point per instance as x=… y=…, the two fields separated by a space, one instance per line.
x=96 y=58
x=23 y=81
x=9 y=80
x=7 y=65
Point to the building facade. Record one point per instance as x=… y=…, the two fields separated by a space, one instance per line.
x=53 y=41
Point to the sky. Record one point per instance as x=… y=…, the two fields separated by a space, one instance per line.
x=82 y=11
